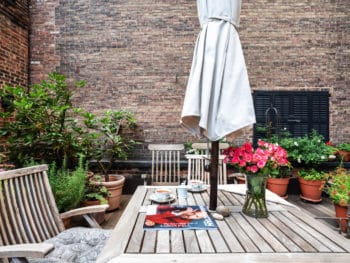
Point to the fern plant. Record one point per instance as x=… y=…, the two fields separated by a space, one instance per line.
x=68 y=186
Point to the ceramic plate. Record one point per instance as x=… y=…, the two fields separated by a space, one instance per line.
x=196 y=190
x=154 y=198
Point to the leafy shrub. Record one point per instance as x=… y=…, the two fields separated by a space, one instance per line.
x=41 y=122
x=67 y=186
x=307 y=150
x=312 y=174
x=344 y=147
x=339 y=187
x=95 y=191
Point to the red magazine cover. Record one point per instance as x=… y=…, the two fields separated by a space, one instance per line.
x=178 y=217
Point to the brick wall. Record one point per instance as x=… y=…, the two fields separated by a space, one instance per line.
x=14 y=43
x=137 y=54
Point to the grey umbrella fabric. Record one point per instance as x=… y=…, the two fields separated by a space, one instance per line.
x=218 y=99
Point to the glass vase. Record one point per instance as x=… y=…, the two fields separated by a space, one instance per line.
x=255 y=202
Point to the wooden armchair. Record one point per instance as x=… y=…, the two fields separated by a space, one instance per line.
x=29 y=216
x=202 y=147
x=166 y=163
x=196 y=168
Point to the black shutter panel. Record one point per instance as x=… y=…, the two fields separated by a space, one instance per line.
x=299 y=111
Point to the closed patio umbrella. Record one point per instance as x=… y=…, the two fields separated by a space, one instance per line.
x=218 y=99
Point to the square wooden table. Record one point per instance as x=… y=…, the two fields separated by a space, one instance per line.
x=287 y=235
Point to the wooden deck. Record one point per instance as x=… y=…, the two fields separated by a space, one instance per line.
x=288 y=235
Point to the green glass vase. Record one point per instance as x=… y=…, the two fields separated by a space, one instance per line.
x=255 y=202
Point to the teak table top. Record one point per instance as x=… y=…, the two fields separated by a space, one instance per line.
x=287 y=235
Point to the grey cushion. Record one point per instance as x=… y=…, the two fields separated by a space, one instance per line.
x=76 y=244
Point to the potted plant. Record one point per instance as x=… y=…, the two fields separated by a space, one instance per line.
x=67 y=186
x=308 y=150
x=311 y=184
x=338 y=189
x=257 y=164
x=95 y=194
x=278 y=181
x=344 y=151
x=111 y=145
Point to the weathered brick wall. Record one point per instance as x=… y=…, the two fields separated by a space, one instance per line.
x=14 y=44
x=301 y=45
x=137 y=54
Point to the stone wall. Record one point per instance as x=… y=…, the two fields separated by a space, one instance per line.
x=137 y=54
x=14 y=42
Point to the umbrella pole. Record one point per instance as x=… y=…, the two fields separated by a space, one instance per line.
x=214 y=164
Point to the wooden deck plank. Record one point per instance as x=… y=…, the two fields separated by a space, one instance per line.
x=252 y=233
x=149 y=242
x=135 y=242
x=191 y=243
x=274 y=243
x=315 y=232
x=190 y=199
x=117 y=243
x=334 y=236
x=204 y=242
x=282 y=237
x=230 y=238
x=241 y=235
x=218 y=241
x=289 y=231
x=223 y=198
x=303 y=233
x=324 y=209
x=163 y=241
x=219 y=245
x=177 y=242
x=232 y=198
x=206 y=197
x=236 y=257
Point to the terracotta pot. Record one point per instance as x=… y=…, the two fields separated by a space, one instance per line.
x=278 y=185
x=100 y=217
x=344 y=155
x=115 y=188
x=311 y=190
x=342 y=212
x=240 y=179
x=66 y=222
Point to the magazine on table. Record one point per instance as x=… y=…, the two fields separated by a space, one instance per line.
x=178 y=217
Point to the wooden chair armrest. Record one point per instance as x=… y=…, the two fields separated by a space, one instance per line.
x=84 y=210
x=34 y=250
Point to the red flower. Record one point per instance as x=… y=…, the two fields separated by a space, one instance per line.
x=262 y=160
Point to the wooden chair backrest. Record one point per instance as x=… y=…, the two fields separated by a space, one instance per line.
x=202 y=147
x=166 y=163
x=28 y=212
x=196 y=171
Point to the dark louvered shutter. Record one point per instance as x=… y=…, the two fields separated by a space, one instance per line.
x=299 y=112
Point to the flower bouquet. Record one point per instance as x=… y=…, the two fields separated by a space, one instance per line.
x=266 y=160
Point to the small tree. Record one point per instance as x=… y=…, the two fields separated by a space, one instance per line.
x=41 y=122
x=112 y=144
